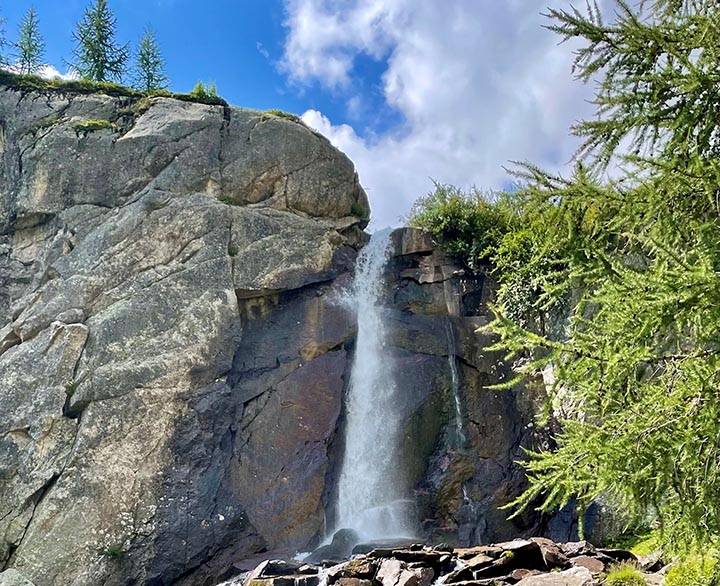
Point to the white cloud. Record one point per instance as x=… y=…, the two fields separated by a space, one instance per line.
x=478 y=82
x=48 y=72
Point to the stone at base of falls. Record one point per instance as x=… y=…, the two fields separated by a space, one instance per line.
x=522 y=562
x=340 y=548
x=14 y=578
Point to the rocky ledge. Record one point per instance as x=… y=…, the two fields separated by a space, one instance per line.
x=522 y=562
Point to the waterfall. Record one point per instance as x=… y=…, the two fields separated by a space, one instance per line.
x=459 y=437
x=372 y=498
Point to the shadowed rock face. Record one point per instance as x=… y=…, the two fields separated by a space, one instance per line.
x=459 y=484
x=171 y=359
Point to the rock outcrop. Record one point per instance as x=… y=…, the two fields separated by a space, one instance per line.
x=525 y=562
x=173 y=354
x=171 y=361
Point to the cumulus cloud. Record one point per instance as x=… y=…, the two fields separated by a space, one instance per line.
x=48 y=72
x=478 y=83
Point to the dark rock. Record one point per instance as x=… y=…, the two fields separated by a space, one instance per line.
x=340 y=547
x=595 y=565
x=652 y=562
x=619 y=555
x=551 y=552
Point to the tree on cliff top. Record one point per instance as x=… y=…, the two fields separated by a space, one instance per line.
x=98 y=57
x=149 y=64
x=30 y=45
x=3 y=43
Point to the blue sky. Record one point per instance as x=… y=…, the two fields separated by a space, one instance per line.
x=409 y=89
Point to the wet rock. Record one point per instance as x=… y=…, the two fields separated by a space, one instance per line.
x=339 y=548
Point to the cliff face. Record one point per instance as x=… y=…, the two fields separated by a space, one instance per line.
x=143 y=245
x=173 y=356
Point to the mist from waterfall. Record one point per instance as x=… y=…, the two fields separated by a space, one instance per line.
x=372 y=498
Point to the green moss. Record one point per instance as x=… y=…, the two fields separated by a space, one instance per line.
x=359 y=211
x=639 y=543
x=85 y=126
x=507 y=555
x=79 y=86
x=624 y=575
x=226 y=199
x=233 y=249
x=70 y=387
x=115 y=551
x=83 y=86
x=281 y=114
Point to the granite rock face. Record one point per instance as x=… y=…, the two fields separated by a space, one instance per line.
x=167 y=330
x=463 y=438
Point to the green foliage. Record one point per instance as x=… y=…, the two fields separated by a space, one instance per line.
x=202 y=94
x=30 y=45
x=3 y=43
x=98 y=56
x=150 y=73
x=281 y=114
x=631 y=264
x=695 y=570
x=470 y=225
x=70 y=387
x=624 y=575
x=638 y=362
x=114 y=552
x=641 y=543
x=86 y=126
x=359 y=211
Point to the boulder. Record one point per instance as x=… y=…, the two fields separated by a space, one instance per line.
x=339 y=548
x=571 y=577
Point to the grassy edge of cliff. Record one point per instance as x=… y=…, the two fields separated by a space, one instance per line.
x=27 y=83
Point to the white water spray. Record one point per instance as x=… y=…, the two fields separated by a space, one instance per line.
x=371 y=493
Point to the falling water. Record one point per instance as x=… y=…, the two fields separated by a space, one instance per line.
x=459 y=435
x=371 y=496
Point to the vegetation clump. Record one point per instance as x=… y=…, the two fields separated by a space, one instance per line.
x=86 y=126
x=624 y=575
x=281 y=114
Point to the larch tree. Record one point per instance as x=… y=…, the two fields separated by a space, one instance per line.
x=613 y=280
x=98 y=56
x=30 y=46
x=635 y=261
x=149 y=64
